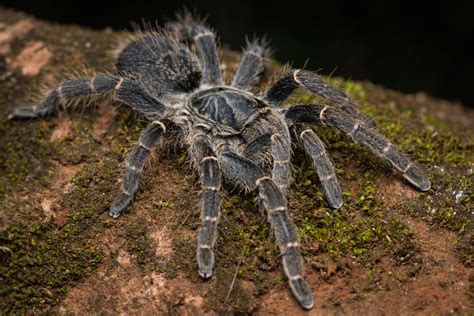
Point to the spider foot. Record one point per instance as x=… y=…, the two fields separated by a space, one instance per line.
x=302 y=292
x=333 y=194
x=120 y=204
x=22 y=114
x=417 y=177
x=205 y=259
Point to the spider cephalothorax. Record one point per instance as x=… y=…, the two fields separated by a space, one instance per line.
x=231 y=133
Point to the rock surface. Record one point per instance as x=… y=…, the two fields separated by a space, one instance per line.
x=389 y=250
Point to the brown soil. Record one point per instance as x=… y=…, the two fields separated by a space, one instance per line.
x=32 y=59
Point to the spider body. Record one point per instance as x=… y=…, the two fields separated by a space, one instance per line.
x=226 y=106
x=173 y=78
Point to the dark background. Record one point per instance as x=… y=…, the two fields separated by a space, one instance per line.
x=398 y=44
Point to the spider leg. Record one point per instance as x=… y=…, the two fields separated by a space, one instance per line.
x=134 y=166
x=163 y=65
x=238 y=168
x=281 y=172
x=122 y=89
x=192 y=29
x=376 y=142
x=322 y=164
x=210 y=174
x=252 y=65
x=315 y=83
x=258 y=148
x=273 y=146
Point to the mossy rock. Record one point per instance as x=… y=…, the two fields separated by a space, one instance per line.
x=389 y=249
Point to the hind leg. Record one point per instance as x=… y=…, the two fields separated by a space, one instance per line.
x=161 y=64
x=284 y=229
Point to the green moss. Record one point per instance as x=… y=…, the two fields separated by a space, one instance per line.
x=426 y=138
x=40 y=264
x=138 y=244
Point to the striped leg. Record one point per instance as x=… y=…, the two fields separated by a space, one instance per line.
x=281 y=173
x=210 y=208
x=134 y=166
x=124 y=90
x=322 y=164
x=252 y=65
x=284 y=229
x=376 y=142
x=206 y=45
x=274 y=146
x=313 y=82
x=194 y=30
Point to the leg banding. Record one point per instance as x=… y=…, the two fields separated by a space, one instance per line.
x=64 y=94
x=134 y=165
x=286 y=238
x=315 y=83
x=193 y=30
x=281 y=153
x=237 y=167
x=206 y=45
x=323 y=166
x=211 y=182
x=251 y=66
x=121 y=89
x=376 y=142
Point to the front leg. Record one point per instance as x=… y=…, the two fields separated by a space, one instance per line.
x=194 y=30
x=121 y=89
x=252 y=64
x=134 y=165
x=280 y=91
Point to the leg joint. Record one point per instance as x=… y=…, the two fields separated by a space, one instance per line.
x=294 y=277
x=209 y=158
x=257 y=182
x=309 y=130
x=204 y=246
x=295 y=76
x=321 y=114
x=276 y=209
x=354 y=129
x=387 y=148
x=117 y=86
x=156 y=122
x=211 y=219
x=199 y=35
x=322 y=179
x=408 y=167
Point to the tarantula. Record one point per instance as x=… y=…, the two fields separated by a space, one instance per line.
x=231 y=133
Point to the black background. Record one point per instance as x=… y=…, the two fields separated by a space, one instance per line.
x=402 y=45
